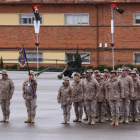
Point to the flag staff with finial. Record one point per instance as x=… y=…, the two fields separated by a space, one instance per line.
x=113 y=6
x=36 y=26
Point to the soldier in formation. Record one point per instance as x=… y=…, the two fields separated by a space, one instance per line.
x=6 y=93
x=65 y=99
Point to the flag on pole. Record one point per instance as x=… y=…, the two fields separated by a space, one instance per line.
x=36 y=13
x=116 y=8
x=22 y=57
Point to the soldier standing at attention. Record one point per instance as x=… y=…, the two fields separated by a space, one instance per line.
x=128 y=91
x=6 y=93
x=114 y=93
x=106 y=77
x=30 y=96
x=101 y=99
x=134 y=102
x=91 y=88
x=64 y=98
x=77 y=97
x=83 y=79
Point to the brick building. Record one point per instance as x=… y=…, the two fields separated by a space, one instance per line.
x=66 y=24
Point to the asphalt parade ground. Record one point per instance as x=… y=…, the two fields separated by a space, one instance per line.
x=49 y=117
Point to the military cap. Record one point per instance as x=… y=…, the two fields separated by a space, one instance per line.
x=77 y=74
x=113 y=71
x=106 y=70
x=96 y=71
x=135 y=69
x=84 y=72
x=100 y=75
x=66 y=78
x=119 y=70
x=128 y=69
x=133 y=72
x=124 y=68
x=89 y=70
x=4 y=71
x=31 y=72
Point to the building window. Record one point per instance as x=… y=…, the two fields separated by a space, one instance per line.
x=137 y=18
x=32 y=56
x=70 y=56
x=76 y=19
x=28 y=19
x=137 y=58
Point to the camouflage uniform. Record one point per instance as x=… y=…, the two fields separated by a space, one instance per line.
x=134 y=102
x=78 y=98
x=82 y=80
x=30 y=101
x=106 y=78
x=6 y=93
x=64 y=98
x=91 y=88
x=114 y=93
x=128 y=91
x=101 y=104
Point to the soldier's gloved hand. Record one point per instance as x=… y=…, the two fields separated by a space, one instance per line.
x=120 y=100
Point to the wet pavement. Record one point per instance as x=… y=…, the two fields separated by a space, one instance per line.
x=49 y=117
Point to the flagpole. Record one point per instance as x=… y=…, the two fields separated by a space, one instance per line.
x=37 y=50
x=112 y=31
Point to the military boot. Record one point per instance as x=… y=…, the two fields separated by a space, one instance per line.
x=89 y=121
x=99 y=119
x=7 y=119
x=28 y=120
x=32 y=119
x=122 y=119
x=77 y=118
x=92 y=120
x=136 y=118
x=108 y=118
x=132 y=118
x=68 y=120
x=65 y=120
x=4 y=118
x=86 y=118
x=80 y=118
x=126 y=120
x=102 y=119
x=113 y=122
x=116 y=122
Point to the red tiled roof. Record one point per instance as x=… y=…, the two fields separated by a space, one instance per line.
x=68 y=1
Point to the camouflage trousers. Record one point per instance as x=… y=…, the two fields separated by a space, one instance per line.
x=78 y=107
x=66 y=110
x=31 y=106
x=85 y=108
x=101 y=108
x=5 y=106
x=114 y=107
x=91 y=108
x=134 y=107
x=108 y=108
x=124 y=107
